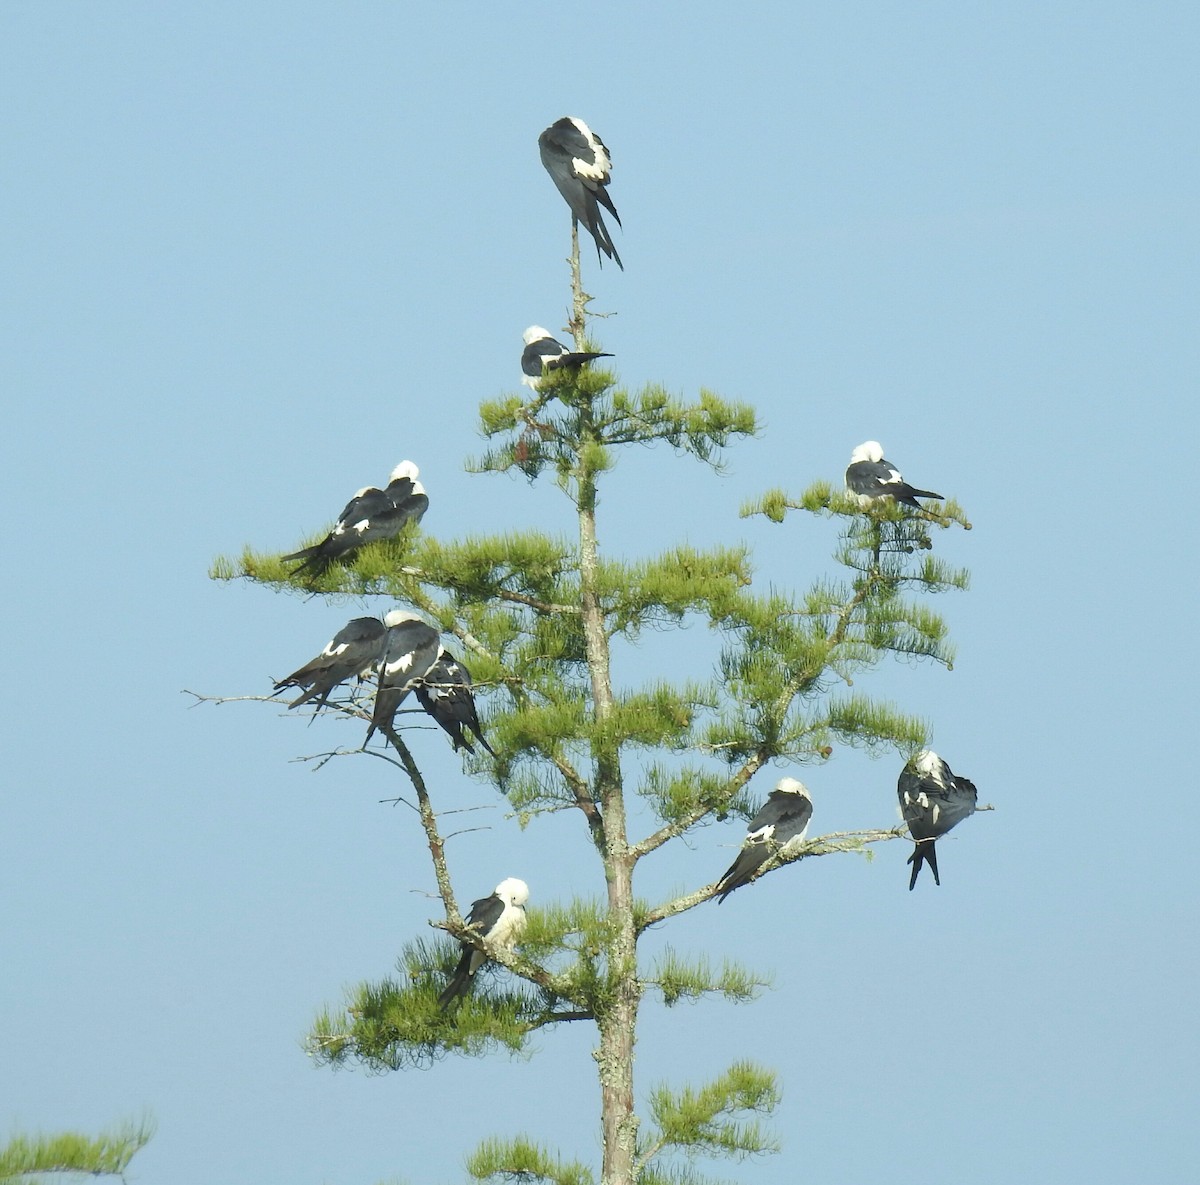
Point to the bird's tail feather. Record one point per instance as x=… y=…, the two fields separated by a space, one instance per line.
x=607 y=202
x=317 y=692
x=923 y=853
x=314 y=563
x=460 y=981
x=595 y=224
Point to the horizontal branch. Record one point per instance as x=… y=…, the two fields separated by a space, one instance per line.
x=526 y=969
x=823 y=845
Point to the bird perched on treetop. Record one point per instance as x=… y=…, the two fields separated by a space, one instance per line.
x=780 y=825
x=354 y=650
x=445 y=693
x=579 y=164
x=501 y=918
x=370 y=515
x=542 y=352
x=870 y=477
x=932 y=800
x=409 y=649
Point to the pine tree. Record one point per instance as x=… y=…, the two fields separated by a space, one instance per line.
x=109 y=1154
x=541 y=620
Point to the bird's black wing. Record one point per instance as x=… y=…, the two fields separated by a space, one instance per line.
x=408 y=652
x=749 y=860
x=398 y=490
x=485 y=913
x=534 y=355
x=576 y=358
x=411 y=510
x=445 y=693
x=871 y=478
x=558 y=146
x=391 y=519
x=564 y=140
x=354 y=648
x=958 y=802
x=876 y=479
x=371 y=501
x=557 y=162
x=782 y=817
x=918 y=796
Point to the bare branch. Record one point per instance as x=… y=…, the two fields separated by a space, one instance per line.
x=553 y=1018
x=822 y=845
x=583 y=797
x=436 y=844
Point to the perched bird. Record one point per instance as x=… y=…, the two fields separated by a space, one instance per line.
x=543 y=353
x=579 y=164
x=354 y=650
x=870 y=477
x=501 y=918
x=932 y=800
x=409 y=649
x=370 y=515
x=445 y=693
x=781 y=824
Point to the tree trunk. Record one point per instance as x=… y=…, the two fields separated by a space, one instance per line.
x=618 y=1026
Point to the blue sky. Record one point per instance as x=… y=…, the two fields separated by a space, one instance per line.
x=254 y=254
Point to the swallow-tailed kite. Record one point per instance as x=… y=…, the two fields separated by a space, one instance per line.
x=870 y=477
x=579 y=164
x=409 y=649
x=781 y=824
x=932 y=800
x=445 y=693
x=542 y=352
x=500 y=918
x=354 y=650
x=370 y=515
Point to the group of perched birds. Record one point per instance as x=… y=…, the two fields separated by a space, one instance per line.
x=933 y=799
x=403 y=654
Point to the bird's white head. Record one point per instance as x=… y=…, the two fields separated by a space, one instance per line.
x=512 y=891
x=535 y=333
x=404 y=469
x=869 y=450
x=395 y=617
x=792 y=786
x=927 y=762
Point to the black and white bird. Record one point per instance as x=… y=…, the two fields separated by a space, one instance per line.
x=579 y=164
x=932 y=800
x=499 y=918
x=542 y=353
x=409 y=650
x=370 y=515
x=353 y=650
x=781 y=824
x=445 y=693
x=870 y=477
